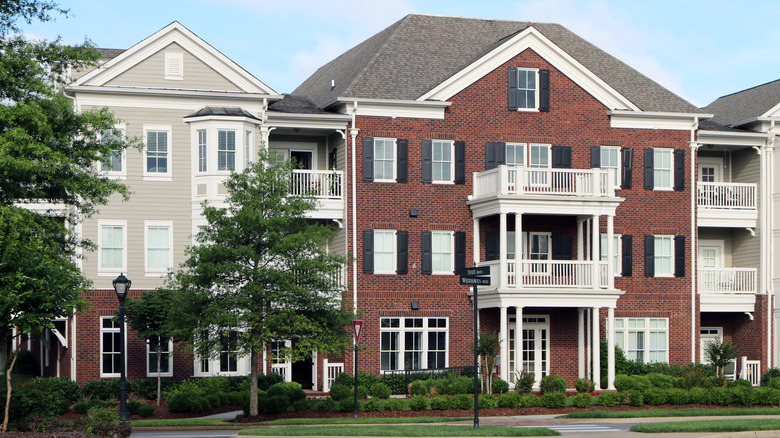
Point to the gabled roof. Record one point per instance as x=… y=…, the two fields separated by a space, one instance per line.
x=296 y=104
x=416 y=54
x=222 y=111
x=745 y=105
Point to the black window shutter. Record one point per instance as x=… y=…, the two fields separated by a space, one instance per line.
x=595 y=157
x=368 y=251
x=626 y=168
x=402 y=245
x=368 y=159
x=460 y=251
x=679 y=256
x=649 y=256
x=561 y=157
x=427 y=161
x=512 y=88
x=460 y=162
x=402 y=172
x=628 y=256
x=491 y=246
x=544 y=90
x=649 y=169
x=679 y=170
x=427 y=257
x=495 y=154
x=561 y=246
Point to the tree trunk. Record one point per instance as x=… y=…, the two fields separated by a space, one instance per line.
x=159 y=381
x=8 y=391
x=253 y=382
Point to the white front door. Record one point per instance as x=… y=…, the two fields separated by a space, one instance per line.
x=710 y=169
x=535 y=352
x=708 y=336
x=710 y=261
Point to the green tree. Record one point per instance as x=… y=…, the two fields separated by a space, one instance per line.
x=488 y=347
x=148 y=316
x=719 y=354
x=261 y=273
x=48 y=153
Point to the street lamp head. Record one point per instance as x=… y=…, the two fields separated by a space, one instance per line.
x=122 y=286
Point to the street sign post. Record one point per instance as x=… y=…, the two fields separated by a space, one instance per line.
x=357 y=328
x=476 y=271
x=476 y=276
x=475 y=281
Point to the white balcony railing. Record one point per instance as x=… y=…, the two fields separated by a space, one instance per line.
x=514 y=180
x=549 y=273
x=727 y=196
x=321 y=184
x=728 y=281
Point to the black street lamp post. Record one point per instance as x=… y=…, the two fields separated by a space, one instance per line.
x=122 y=287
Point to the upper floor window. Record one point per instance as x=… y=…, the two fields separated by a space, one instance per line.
x=226 y=150
x=617 y=255
x=384 y=251
x=384 y=159
x=662 y=169
x=610 y=159
x=157 y=153
x=159 y=254
x=203 y=148
x=248 y=148
x=113 y=164
x=112 y=242
x=442 y=161
x=529 y=89
x=442 y=252
x=515 y=154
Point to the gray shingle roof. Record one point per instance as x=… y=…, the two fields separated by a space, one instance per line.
x=296 y=104
x=222 y=111
x=745 y=105
x=415 y=54
x=110 y=53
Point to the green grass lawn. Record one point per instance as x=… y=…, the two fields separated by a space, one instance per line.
x=180 y=422
x=707 y=426
x=407 y=431
x=674 y=413
x=297 y=421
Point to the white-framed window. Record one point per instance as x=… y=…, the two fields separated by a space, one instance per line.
x=248 y=148
x=166 y=358
x=158 y=236
x=110 y=353
x=442 y=254
x=662 y=169
x=226 y=150
x=708 y=335
x=442 y=153
x=411 y=343
x=643 y=339
x=527 y=89
x=539 y=159
x=114 y=164
x=157 y=153
x=384 y=159
x=663 y=252
x=617 y=252
x=228 y=354
x=174 y=66
x=384 y=252
x=610 y=159
x=515 y=154
x=539 y=249
x=203 y=151
x=112 y=246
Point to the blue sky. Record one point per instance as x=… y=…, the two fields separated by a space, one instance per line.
x=698 y=49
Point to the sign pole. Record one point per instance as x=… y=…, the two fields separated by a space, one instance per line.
x=357 y=328
x=476 y=362
x=355 y=415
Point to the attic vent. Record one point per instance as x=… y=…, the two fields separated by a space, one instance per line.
x=174 y=66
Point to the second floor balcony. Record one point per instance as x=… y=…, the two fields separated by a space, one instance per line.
x=552 y=274
x=507 y=180
x=728 y=289
x=325 y=186
x=727 y=204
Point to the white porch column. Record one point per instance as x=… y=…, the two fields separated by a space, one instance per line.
x=587 y=317
x=475 y=241
x=596 y=346
x=581 y=343
x=611 y=348
x=595 y=252
x=580 y=238
x=518 y=341
x=502 y=251
x=503 y=342
x=611 y=251
x=518 y=250
x=314 y=370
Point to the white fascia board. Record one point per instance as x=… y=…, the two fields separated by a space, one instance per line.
x=241 y=119
x=729 y=138
x=168 y=92
x=655 y=120
x=773 y=113
x=525 y=297
x=312 y=121
x=178 y=101
x=175 y=33
x=413 y=109
x=532 y=39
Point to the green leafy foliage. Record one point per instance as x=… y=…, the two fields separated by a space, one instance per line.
x=500 y=386
x=340 y=392
x=509 y=400
x=418 y=403
x=677 y=396
x=463 y=401
x=770 y=374
x=487 y=401
x=634 y=397
x=582 y=400
x=104 y=422
x=610 y=398
x=524 y=382
x=655 y=396
x=530 y=401
x=326 y=405
x=441 y=403
x=720 y=353
x=379 y=390
x=373 y=405
x=584 y=385
x=552 y=383
x=103 y=389
x=554 y=400
x=395 y=404
x=418 y=387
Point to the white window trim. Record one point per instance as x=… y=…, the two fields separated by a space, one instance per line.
x=451 y=235
x=157 y=224
x=671 y=255
x=206 y=150
x=549 y=155
x=525 y=152
x=401 y=329
x=624 y=331
x=102 y=330
x=617 y=170
x=249 y=148
x=394 y=255
x=152 y=355
x=110 y=272
x=236 y=154
x=122 y=174
x=159 y=176
x=536 y=89
x=451 y=180
x=656 y=185
x=718 y=336
x=394 y=167
x=171 y=73
x=618 y=252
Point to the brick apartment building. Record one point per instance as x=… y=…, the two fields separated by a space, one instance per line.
x=605 y=206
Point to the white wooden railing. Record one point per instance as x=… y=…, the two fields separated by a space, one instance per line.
x=329 y=373
x=283 y=369
x=750 y=370
x=321 y=184
x=549 y=273
x=514 y=180
x=729 y=196
x=728 y=281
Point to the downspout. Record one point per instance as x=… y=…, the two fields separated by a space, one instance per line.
x=353 y=132
x=694 y=146
x=72 y=348
x=766 y=236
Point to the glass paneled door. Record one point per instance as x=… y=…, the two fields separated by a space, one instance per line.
x=535 y=347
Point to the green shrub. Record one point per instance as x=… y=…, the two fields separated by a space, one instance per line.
x=303 y=404
x=677 y=396
x=236 y=398
x=439 y=386
x=610 y=399
x=552 y=383
x=699 y=396
x=584 y=385
x=509 y=400
x=147 y=388
x=655 y=396
x=362 y=392
x=292 y=390
x=554 y=400
x=658 y=380
x=441 y=403
x=418 y=388
x=624 y=382
x=418 y=403
x=500 y=386
x=530 y=401
x=146 y=411
x=395 y=404
x=741 y=396
x=634 y=397
x=463 y=401
x=461 y=385
x=766 y=396
x=26 y=364
x=326 y=405
x=582 y=400
x=81 y=407
x=61 y=387
x=103 y=389
x=31 y=401
x=694 y=377
x=101 y=422
x=487 y=401
x=373 y=405
x=739 y=383
x=346 y=406
x=272 y=404
x=770 y=374
x=339 y=392
x=133 y=406
x=524 y=382
x=720 y=396
x=773 y=382
x=265 y=381
x=379 y=390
